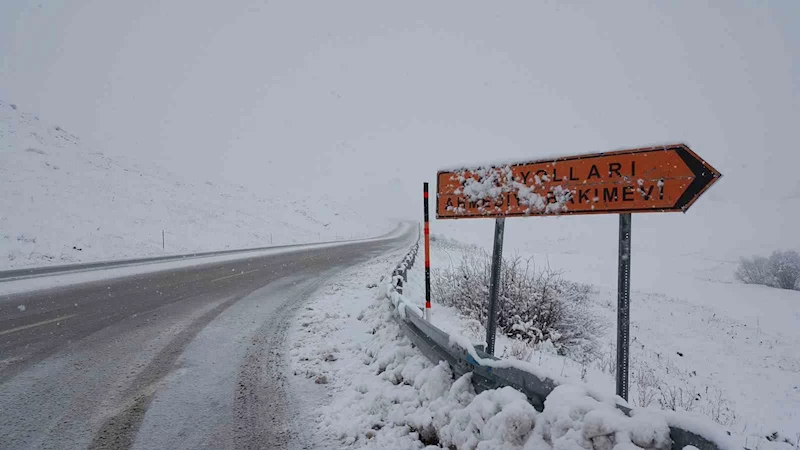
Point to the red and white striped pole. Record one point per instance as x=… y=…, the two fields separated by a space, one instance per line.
x=427 y=255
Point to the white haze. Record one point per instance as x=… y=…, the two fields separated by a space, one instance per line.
x=365 y=100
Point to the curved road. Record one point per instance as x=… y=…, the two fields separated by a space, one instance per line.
x=185 y=358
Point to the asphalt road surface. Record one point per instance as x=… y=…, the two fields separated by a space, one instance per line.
x=187 y=358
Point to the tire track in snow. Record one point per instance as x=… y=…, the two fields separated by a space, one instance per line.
x=262 y=405
x=119 y=431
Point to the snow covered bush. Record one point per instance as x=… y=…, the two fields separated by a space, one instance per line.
x=754 y=270
x=534 y=306
x=781 y=269
x=785 y=268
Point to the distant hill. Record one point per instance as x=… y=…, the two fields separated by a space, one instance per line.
x=63 y=203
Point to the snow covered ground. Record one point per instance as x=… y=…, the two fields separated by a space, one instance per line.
x=361 y=384
x=708 y=345
x=64 y=203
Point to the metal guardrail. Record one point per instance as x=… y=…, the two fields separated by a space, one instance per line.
x=435 y=345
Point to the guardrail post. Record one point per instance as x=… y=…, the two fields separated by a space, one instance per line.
x=494 y=286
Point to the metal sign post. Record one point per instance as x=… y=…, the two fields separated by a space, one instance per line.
x=494 y=284
x=623 y=305
x=427 y=254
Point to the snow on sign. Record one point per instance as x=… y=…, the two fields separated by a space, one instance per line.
x=652 y=179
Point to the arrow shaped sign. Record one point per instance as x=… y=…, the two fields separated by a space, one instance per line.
x=653 y=179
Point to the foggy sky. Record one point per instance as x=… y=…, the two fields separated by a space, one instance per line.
x=365 y=100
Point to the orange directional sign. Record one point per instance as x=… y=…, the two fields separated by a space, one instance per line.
x=652 y=179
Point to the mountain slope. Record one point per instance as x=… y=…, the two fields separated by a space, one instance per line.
x=65 y=203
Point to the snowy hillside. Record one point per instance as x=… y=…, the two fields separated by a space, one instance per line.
x=63 y=203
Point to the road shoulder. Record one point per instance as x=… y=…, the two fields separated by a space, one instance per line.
x=326 y=335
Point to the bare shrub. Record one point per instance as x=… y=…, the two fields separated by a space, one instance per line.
x=681 y=394
x=781 y=269
x=533 y=306
x=520 y=350
x=464 y=286
x=785 y=269
x=754 y=270
x=646 y=385
x=607 y=361
x=677 y=398
x=473 y=330
x=718 y=408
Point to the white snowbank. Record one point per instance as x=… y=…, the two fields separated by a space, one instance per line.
x=573 y=419
x=383 y=394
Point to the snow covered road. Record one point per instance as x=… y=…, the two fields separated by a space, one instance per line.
x=183 y=358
